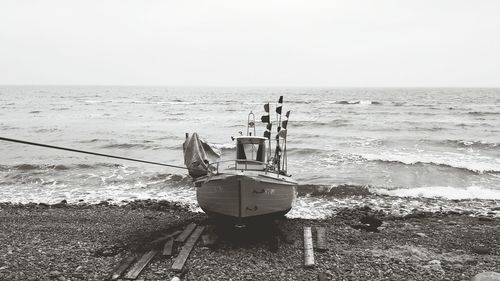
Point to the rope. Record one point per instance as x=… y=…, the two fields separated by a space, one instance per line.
x=91 y=153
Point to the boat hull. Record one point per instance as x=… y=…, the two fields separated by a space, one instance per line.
x=245 y=195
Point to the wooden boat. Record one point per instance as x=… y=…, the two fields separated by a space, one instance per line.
x=254 y=184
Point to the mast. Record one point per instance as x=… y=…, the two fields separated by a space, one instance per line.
x=267 y=133
x=278 y=152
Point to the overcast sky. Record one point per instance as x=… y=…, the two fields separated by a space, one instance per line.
x=251 y=43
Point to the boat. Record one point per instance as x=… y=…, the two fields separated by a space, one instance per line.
x=255 y=184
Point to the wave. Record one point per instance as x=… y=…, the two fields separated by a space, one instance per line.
x=398 y=103
x=483 y=113
x=447 y=192
x=44 y=130
x=332 y=190
x=31 y=167
x=127 y=146
x=462 y=164
x=333 y=123
x=472 y=144
x=351 y=102
x=92 y=140
x=224 y=146
x=304 y=151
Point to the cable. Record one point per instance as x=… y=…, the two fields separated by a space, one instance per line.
x=92 y=153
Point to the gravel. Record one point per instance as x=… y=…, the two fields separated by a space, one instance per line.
x=85 y=242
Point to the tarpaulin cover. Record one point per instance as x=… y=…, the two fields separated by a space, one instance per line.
x=197 y=155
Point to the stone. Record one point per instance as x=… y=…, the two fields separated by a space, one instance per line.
x=60 y=204
x=434 y=265
x=481 y=250
x=421 y=234
x=487 y=276
x=54 y=273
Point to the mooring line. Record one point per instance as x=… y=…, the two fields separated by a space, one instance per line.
x=91 y=153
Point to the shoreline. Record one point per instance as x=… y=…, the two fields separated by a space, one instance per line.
x=86 y=241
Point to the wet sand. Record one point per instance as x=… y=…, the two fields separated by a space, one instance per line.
x=85 y=242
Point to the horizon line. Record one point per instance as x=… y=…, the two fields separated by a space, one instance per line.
x=247 y=86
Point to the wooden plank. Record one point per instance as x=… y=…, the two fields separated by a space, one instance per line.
x=321 y=239
x=169 y=247
x=165 y=238
x=186 y=249
x=308 y=247
x=136 y=269
x=185 y=234
x=121 y=267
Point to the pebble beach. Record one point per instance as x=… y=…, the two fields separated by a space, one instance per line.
x=86 y=241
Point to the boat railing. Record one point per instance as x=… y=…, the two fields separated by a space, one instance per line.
x=242 y=164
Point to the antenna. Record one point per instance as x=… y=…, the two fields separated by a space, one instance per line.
x=251 y=124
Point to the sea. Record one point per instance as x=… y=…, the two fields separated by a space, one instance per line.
x=396 y=149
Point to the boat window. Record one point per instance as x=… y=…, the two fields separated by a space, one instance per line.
x=251 y=150
x=240 y=152
x=261 y=153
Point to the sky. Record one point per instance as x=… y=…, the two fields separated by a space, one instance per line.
x=312 y=43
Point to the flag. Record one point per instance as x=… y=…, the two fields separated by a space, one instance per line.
x=280 y=103
x=267 y=133
x=285 y=123
x=266 y=107
x=282 y=133
x=265 y=119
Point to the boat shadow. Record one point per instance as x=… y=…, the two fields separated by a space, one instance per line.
x=248 y=234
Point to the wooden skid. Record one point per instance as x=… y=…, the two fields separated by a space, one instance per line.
x=186 y=249
x=321 y=239
x=120 y=269
x=308 y=247
x=187 y=231
x=165 y=238
x=169 y=247
x=136 y=269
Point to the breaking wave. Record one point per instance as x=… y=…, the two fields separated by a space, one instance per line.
x=462 y=164
x=333 y=190
x=447 y=192
x=224 y=146
x=473 y=144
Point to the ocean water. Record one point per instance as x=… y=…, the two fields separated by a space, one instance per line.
x=441 y=145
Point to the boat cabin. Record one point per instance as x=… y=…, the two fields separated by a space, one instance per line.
x=251 y=153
